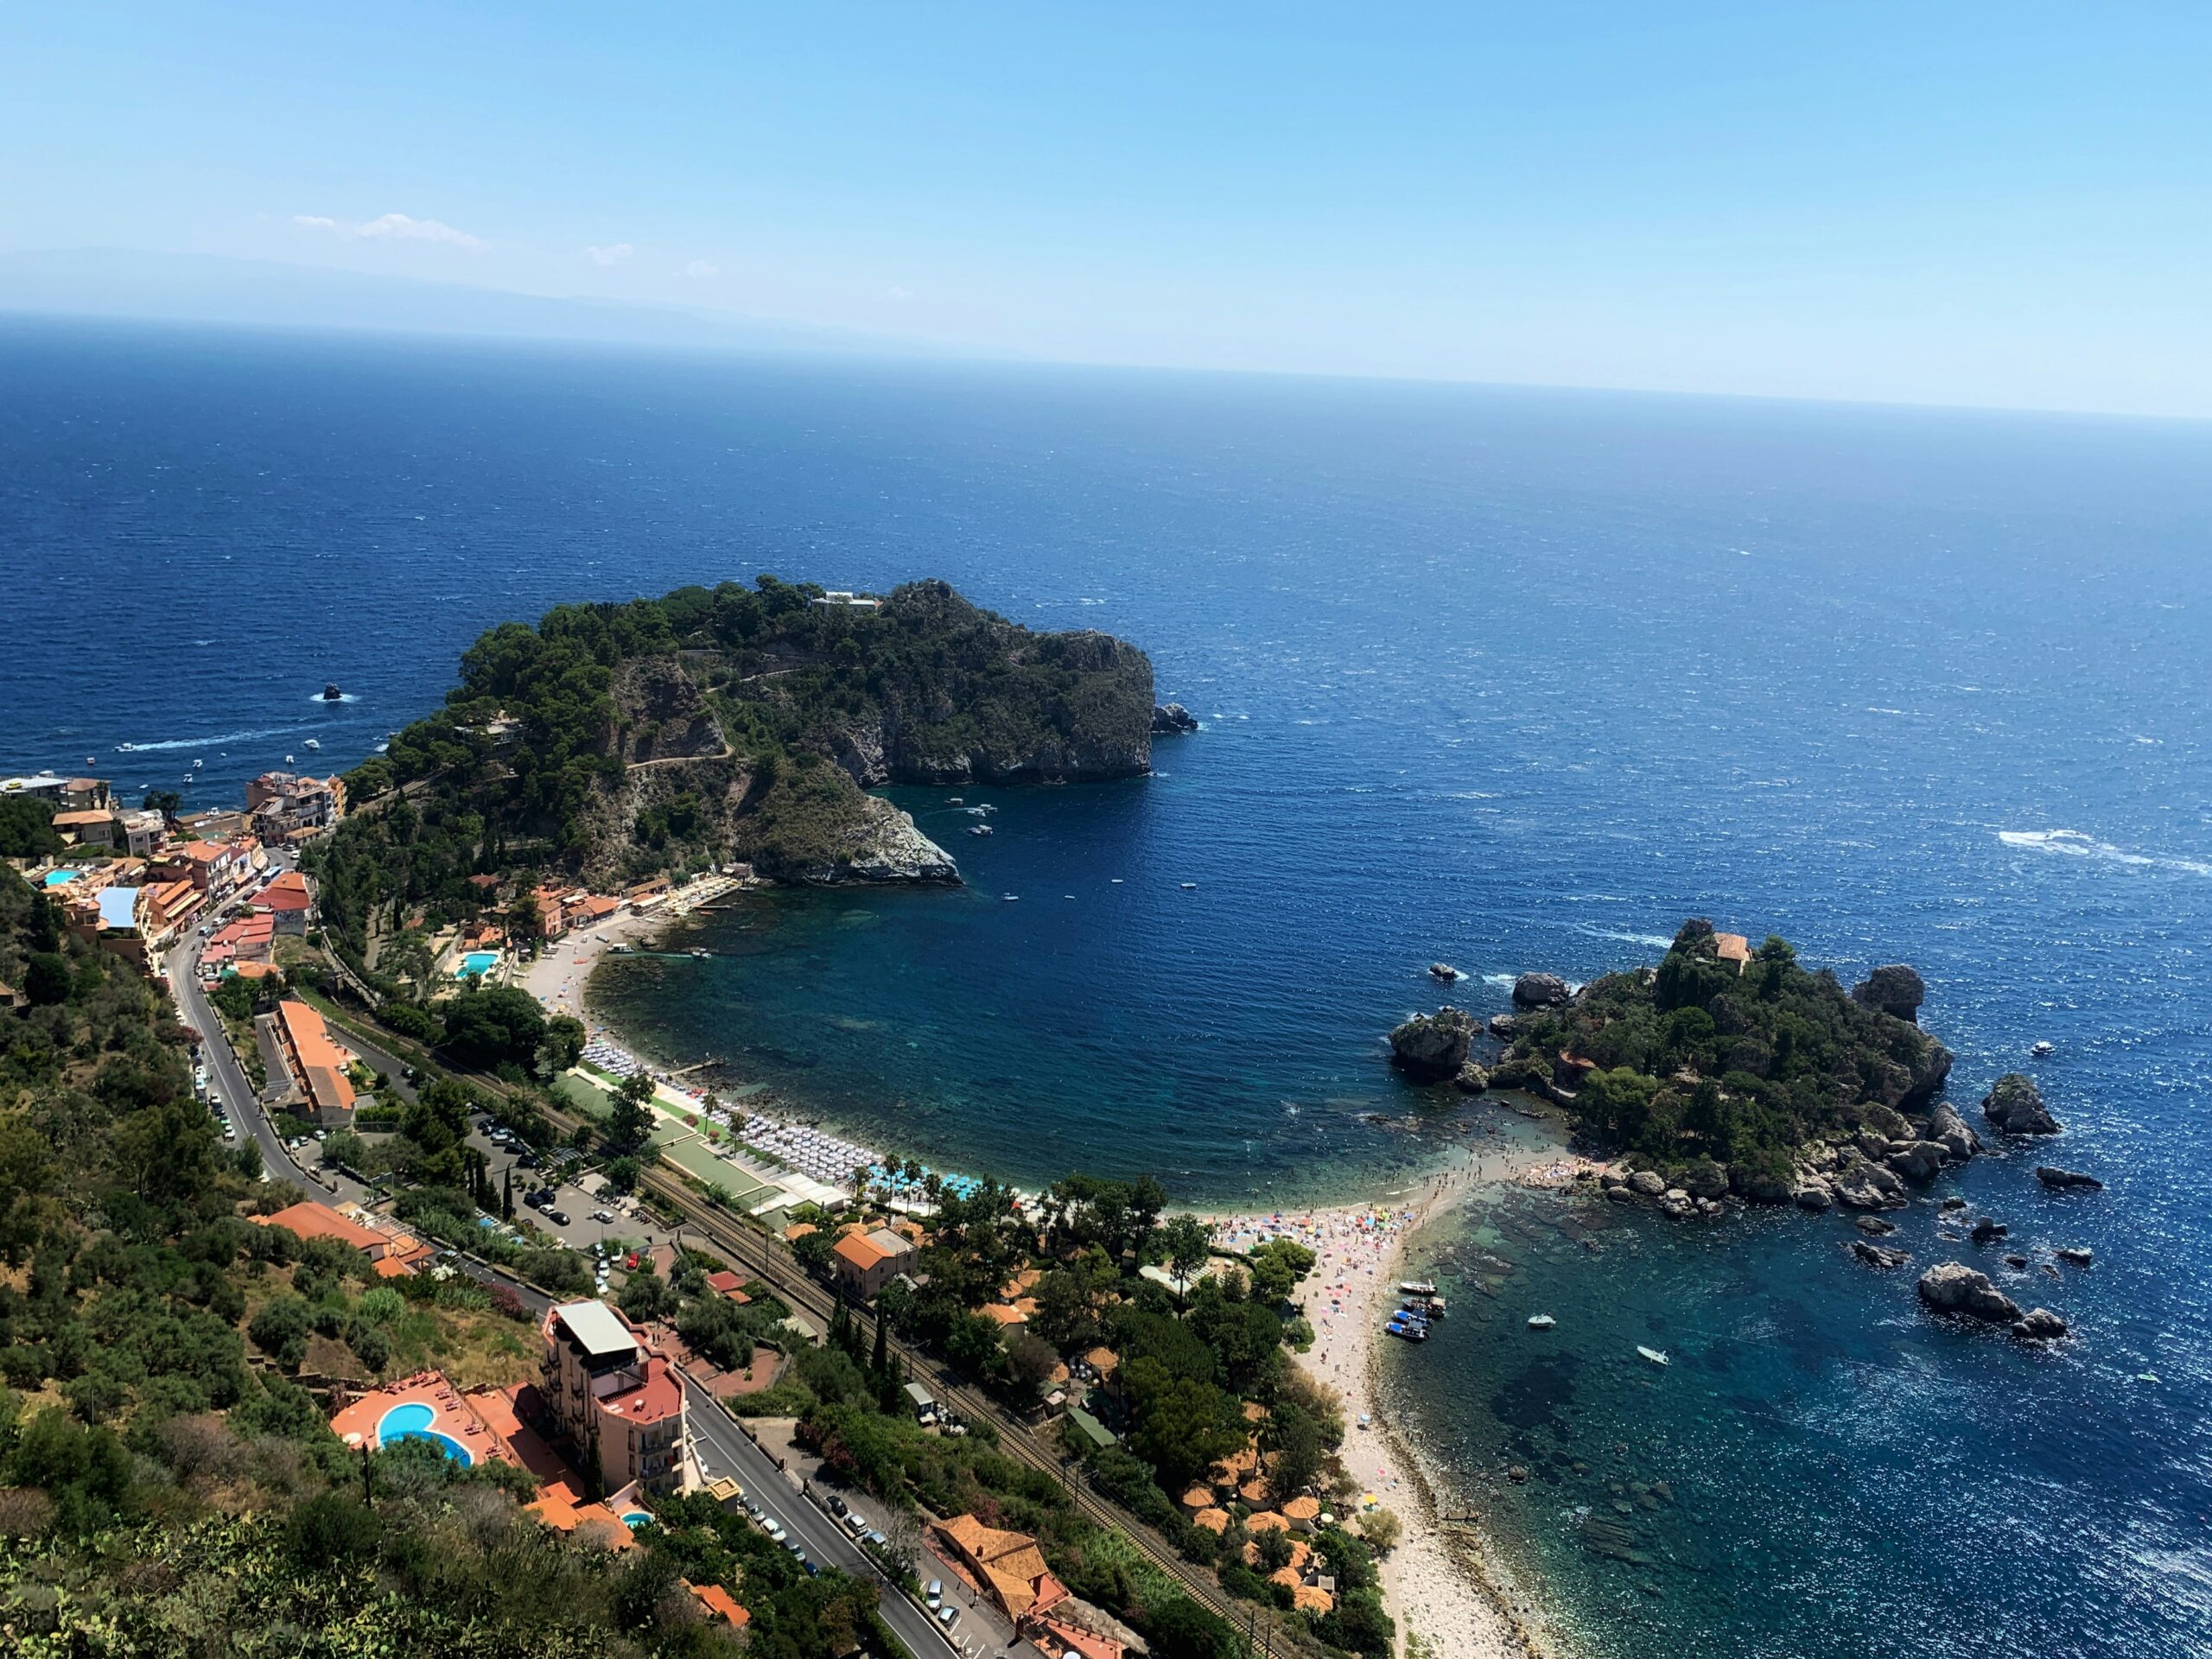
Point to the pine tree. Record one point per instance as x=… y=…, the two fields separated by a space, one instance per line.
x=507 y=1194
x=882 y=1343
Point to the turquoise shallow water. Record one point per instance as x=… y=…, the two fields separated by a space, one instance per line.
x=1512 y=679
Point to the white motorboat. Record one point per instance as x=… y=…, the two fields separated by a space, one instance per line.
x=1657 y=1356
x=1542 y=1321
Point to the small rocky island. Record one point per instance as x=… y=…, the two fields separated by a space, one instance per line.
x=1732 y=1075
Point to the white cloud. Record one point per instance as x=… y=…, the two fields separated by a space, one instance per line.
x=609 y=256
x=394 y=226
x=899 y=295
x=698 y=267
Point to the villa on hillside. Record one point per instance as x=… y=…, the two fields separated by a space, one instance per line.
x=393 y=1253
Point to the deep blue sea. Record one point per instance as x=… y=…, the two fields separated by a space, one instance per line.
x=1516 y=679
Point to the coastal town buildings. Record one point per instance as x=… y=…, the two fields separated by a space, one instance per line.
x=616 y=1400
x=287 y=901
x=321 y=1090
x=284 y=806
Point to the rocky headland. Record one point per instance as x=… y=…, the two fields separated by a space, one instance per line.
x=611 y=743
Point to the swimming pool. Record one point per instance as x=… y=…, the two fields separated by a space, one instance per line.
x=55 y=878
x=412 y=1422
x=479 y=962
x=635 y=1518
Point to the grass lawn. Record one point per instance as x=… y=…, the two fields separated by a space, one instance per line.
x=694 y=1158
x=585 y=1096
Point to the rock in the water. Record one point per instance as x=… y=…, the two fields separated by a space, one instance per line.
x=1471 y=1079
x=1955 y=1288
x=1625 y=1193
x=1918 y=1162
x=2015 y=1105
x=2050 y=1175
x=1985 y=1229
x=1169 y=718
x=1895 y=990
x=1953 y=1133
x=1954 y=1202
x=2039 y=1325
x=1433 y=1047
x=1863 y=1185
x=2081 y=1256
x=2015 y=1261
x=1874 y=1226
x=1707 y=1179
x=1540 y=991
x=1502 y=1026
x=1766 y=1189
x=1812 y=1195
x=1648 y=1182
x=1874 y=1255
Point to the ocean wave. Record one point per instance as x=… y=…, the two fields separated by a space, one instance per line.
x=2073 y=843
x=1656 y=941
x=204 y=742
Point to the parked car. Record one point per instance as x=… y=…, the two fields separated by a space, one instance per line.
x=836 y=1504
x=948 y=1616
x=558 y=1217
x=602 y=1216
x=937 y=1592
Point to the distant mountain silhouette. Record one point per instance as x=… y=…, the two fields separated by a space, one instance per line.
x=201 y=288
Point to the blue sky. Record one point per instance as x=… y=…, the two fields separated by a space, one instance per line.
x=1978 y=204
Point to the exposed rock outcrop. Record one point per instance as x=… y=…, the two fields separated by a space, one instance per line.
x=1540 y=991
x=1471 y=1079
x=1431 y=1047
x=2075 y=1256
x=1169 y=718
x=1895 y=990
x=1502 y=1026
x=2039 y=1325
x=2066 y=1179
x=1987 y=1230
x=1877 y=1255
x=2015 y=1105
x=1955 y=1288
x=883 y=846
x=1951 y=1132
x=1916 y=1161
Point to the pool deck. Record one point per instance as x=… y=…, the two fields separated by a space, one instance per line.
x=452 y=1414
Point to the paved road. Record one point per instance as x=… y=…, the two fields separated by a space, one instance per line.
x=722 y=1449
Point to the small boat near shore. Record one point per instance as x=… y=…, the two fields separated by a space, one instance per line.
x=979 y=830
x=2041 y=1051
x=1542 y=1321
x=1415 y=1287
x=1657 y=1356
x=699 y=954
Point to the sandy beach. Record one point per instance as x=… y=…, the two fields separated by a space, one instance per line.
x=1440 y=1585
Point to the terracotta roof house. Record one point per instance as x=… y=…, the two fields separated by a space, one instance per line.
x=317 y=1065
x=1006 y=1566
x=393 y=1254
x=1733 y=947
x=730 y=1284
x=1214 y=1521
x=1302 y=1511
x=1007 y=1318
x=719 y=1603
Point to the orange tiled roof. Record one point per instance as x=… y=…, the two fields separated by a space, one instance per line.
x=310 y=1220
x=861 y=1251
x=1011 y=1566
x=999 y=1314
x=1213 y=1520
x=1732 y=947
x=1266 y=1521
x=720 y=1603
